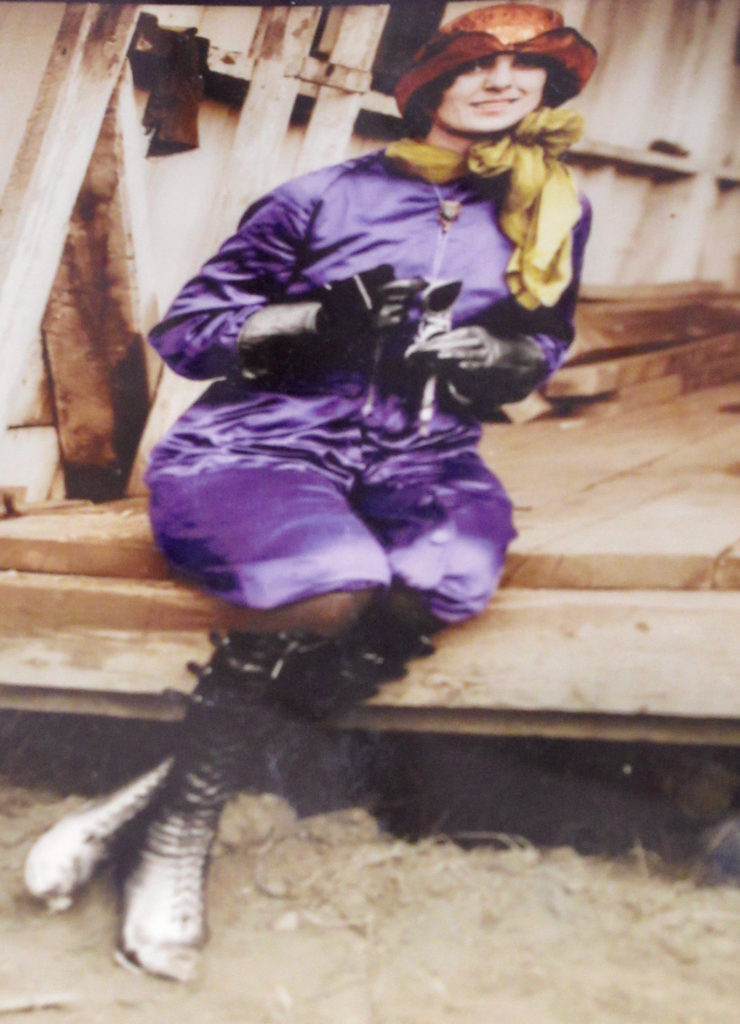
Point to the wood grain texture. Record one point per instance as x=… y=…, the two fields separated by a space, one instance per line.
x=641 y=652
x=29 y=459
x=48 y=170
x=597 y=378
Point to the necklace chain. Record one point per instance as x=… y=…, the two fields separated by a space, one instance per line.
x=448 y=212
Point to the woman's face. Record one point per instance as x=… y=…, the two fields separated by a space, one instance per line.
x=492 y=97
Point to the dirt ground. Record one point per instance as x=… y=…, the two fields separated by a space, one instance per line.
x=586 y=913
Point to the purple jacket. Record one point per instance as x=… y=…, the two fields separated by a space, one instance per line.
x=325 y=226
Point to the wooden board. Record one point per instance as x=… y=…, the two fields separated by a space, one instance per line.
x=93 y=327
x=29 y=459
x=48 y=171
x=622 y=328
x=545 y=655
x=612 y=374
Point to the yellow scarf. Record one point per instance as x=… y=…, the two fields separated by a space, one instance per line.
x=541 y=205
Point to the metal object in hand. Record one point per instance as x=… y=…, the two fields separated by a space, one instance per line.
x=437 y=302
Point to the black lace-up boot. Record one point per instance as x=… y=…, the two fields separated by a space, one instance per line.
x=249 y=678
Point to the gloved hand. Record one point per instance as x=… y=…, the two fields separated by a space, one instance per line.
x=347 y=306
x=483 y=367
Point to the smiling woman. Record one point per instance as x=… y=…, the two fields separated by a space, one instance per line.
x=333 y=462
x=492 y=96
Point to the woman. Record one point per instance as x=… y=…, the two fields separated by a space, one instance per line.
x=362 y=321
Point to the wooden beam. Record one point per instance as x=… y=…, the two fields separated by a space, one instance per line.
x=93 y=326
x=338 y=101
x=48 y=171
x=688 y=360
x=604 y=653
x=29 y=458
x=622 y=328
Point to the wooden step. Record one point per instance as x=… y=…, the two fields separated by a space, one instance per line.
x=602 y=657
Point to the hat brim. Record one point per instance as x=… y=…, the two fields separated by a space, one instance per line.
x=445 y=53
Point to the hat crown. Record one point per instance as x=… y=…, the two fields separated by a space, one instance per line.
x=509 y=23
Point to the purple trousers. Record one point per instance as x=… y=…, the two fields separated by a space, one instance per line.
x=265 y=531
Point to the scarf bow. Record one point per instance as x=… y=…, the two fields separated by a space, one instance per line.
x=541 y=206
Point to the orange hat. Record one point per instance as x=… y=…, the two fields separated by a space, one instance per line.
x=505 y=28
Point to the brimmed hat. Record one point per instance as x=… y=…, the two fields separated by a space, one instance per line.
x=505 y=28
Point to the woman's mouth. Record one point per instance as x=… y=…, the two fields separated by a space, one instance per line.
x=494 y=105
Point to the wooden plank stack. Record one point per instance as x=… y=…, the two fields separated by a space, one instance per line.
x=640 y=345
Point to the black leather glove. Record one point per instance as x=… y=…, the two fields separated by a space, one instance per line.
x=485 y=372
x=348 y=305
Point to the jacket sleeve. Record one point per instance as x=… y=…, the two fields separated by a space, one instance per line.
x=552 y=328
x=198 y=336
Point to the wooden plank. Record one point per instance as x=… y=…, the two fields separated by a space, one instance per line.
x=30 y=404
x=639 y=652
x=134 y=210
x=335 y=112
x=638 y=396
x=47 y=173
x=646 y=500
x=625 y=328
x=613 y=374
x=46 y=700
x=93 y=328
x=598 y=652
x=667 y=292
x=29 y=457
x=559 y=464
x=103 y=540
x=638 y=728
x=98 y=660
x=27 y=36
x=669 y=521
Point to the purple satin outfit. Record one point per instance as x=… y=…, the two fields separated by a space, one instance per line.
x=319 y=478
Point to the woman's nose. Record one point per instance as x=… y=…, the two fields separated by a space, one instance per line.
x=500 y=74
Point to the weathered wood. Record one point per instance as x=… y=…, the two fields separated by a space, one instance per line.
x=639 y=728
x=118 y=661
x=47 y=173
x=613 y=374
x=110 y=540
x=335 y=112
x=27 y=36
x=49 y=700
x=30 y=404
x=669 y=293
x=622 y=328
x=93 y=328
x=29 y=457
x=566 y=465
x=596 y=652
x=638 y=396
